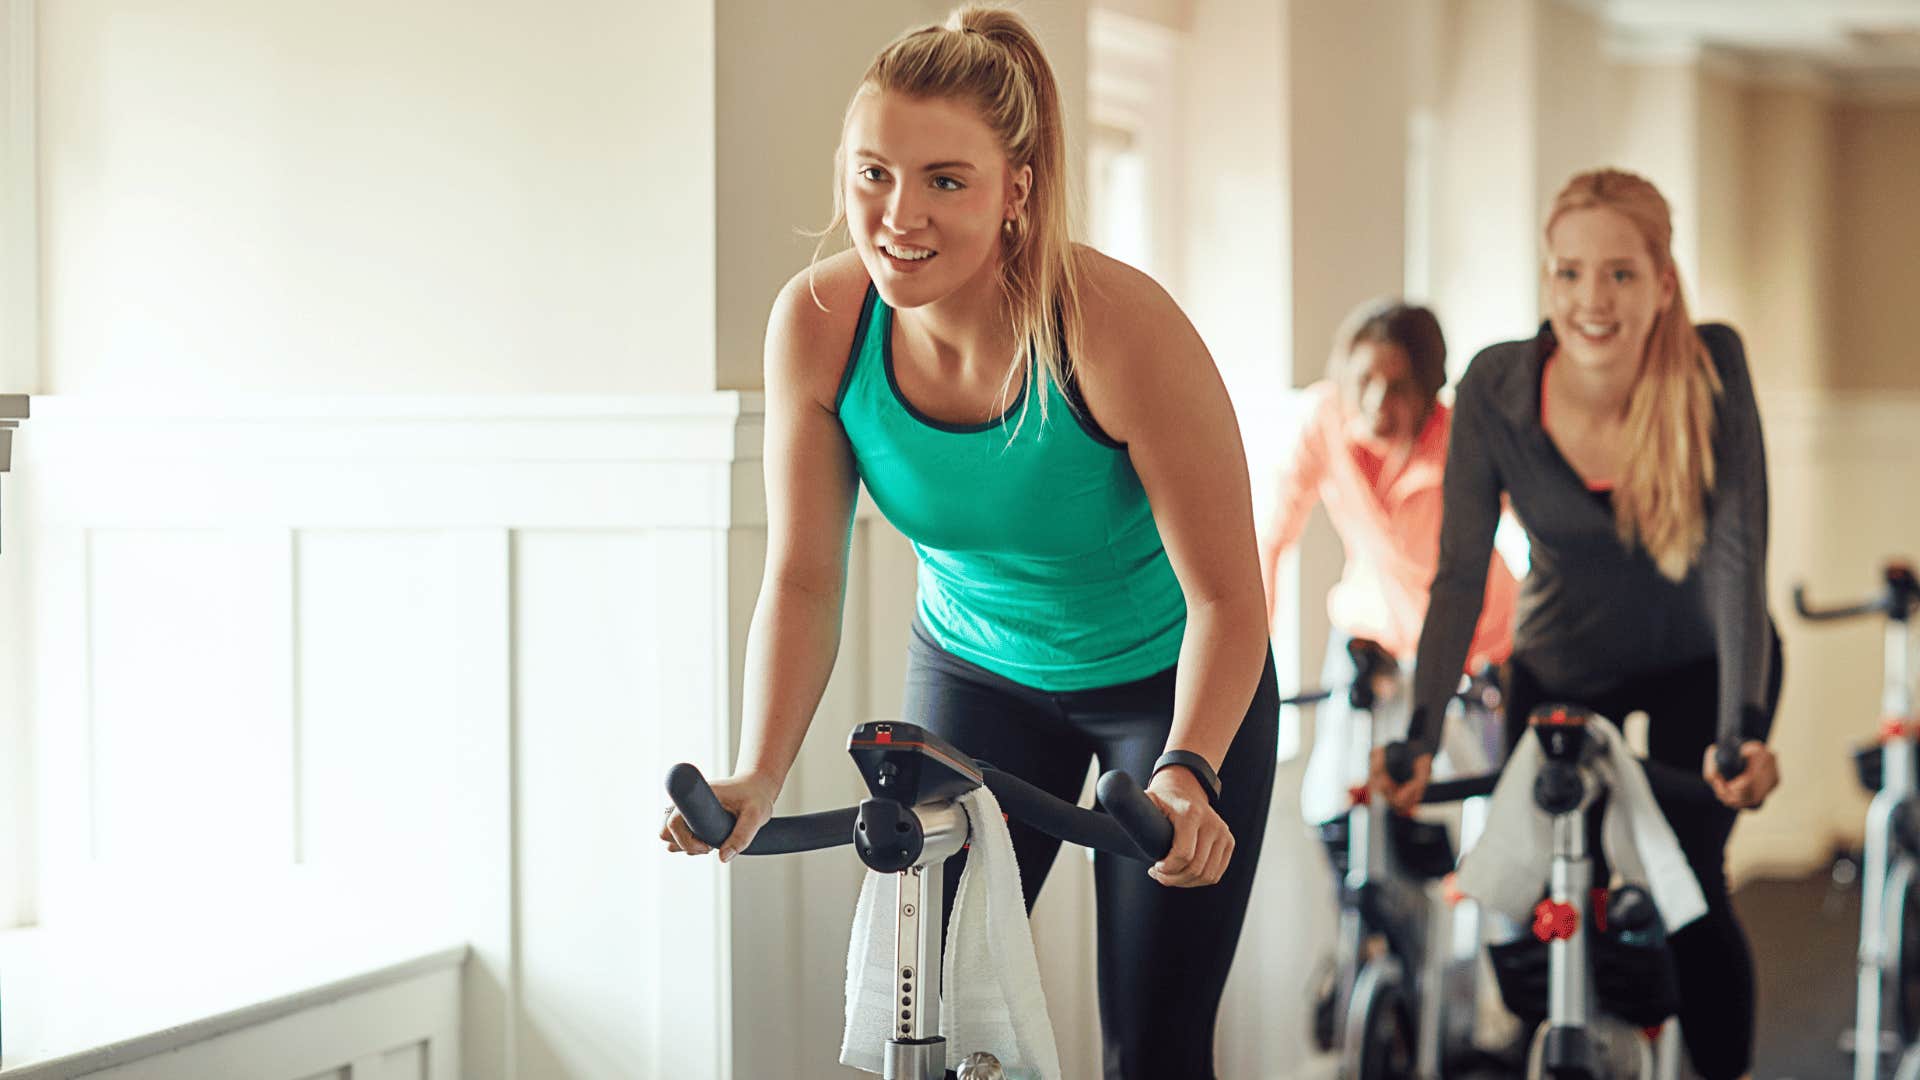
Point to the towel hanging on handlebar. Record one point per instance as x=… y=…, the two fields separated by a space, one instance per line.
x=990 y=994
x=1508 y=865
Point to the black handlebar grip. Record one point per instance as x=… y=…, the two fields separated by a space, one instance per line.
x=710 y=821
x=713 y=823
x=1399 y=761
x=1122 y=798
x=1726 y=757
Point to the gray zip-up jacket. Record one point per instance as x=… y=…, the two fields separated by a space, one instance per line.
x=1593 y=613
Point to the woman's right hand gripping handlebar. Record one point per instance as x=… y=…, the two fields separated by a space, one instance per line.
x=1400 y=772
x=748 y=797
x=811 y=489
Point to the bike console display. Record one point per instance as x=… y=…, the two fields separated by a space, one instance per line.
x=909 y=764
x=1562 y=731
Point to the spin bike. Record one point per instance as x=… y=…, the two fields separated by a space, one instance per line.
x=1606 y=976
x=1402 y=999
x=1888 y=962
x=910 y=825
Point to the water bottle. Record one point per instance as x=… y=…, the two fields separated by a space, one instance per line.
x=1633 y=919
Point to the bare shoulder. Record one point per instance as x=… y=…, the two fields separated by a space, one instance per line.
x=1122 y=303
x=811 y=328
x=1129 y=321
x=1142 y=357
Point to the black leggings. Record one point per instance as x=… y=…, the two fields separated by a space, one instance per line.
x=1712 y=956
x=1163 y=953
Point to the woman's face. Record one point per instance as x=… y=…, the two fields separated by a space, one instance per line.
x=1385 y=404
x=927 y=192
x=1603 y=291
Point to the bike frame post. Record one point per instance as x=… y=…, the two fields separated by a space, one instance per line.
x=1568 y=1004
x=917 y=1050
x=1366 y=852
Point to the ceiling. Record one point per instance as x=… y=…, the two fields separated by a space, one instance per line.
x=1848 y=39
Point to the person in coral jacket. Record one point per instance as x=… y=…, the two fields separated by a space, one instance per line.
x=1373 y=449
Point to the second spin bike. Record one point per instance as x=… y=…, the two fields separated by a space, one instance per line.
x=1402 y=998
x=1887 y=1011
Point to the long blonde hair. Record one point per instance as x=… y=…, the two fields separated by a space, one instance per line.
x=1660 y=501
x=989 y=58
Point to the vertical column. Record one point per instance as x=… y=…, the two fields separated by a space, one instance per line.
x=1347 y=98
x=1484 y=270
x=19 y=202
x=19 y=374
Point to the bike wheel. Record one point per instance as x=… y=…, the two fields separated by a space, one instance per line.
x=1621 y=1052
x=1325 y=999
x=1383 y=1047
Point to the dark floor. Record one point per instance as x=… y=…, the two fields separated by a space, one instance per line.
x=1803 y=934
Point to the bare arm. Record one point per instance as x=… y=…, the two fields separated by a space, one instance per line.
x=1155 y=388
x=795 y=634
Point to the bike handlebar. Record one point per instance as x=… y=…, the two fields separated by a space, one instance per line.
x=1898 y=599
x=1811 y=613
x=1677 y=785
x=713 y=823
x=1132 y=827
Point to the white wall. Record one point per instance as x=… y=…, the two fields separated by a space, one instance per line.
x=375 y=198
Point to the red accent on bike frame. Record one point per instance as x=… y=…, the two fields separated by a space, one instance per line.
x=883 y=737
x=1893 y=727
x=1653 y=1033
x=1450 y=889
x=1555 y=921
x=1599 y=902
x=1357 y=795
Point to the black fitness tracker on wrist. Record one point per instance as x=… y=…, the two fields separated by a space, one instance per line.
x=1194 y=764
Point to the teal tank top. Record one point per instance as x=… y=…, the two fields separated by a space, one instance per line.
x=1039 y=557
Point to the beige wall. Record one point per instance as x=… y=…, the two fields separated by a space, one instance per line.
x=1876 y=315
x=1719 y=289
x=1790 y=239
x=367 y=197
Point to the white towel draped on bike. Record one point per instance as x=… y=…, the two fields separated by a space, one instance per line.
x=990 y=995
x=1507 y=867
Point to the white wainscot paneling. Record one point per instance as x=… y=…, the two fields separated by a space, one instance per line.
x=378 y=646
x=617 y=656
x=411 y=661
x=185 y=676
